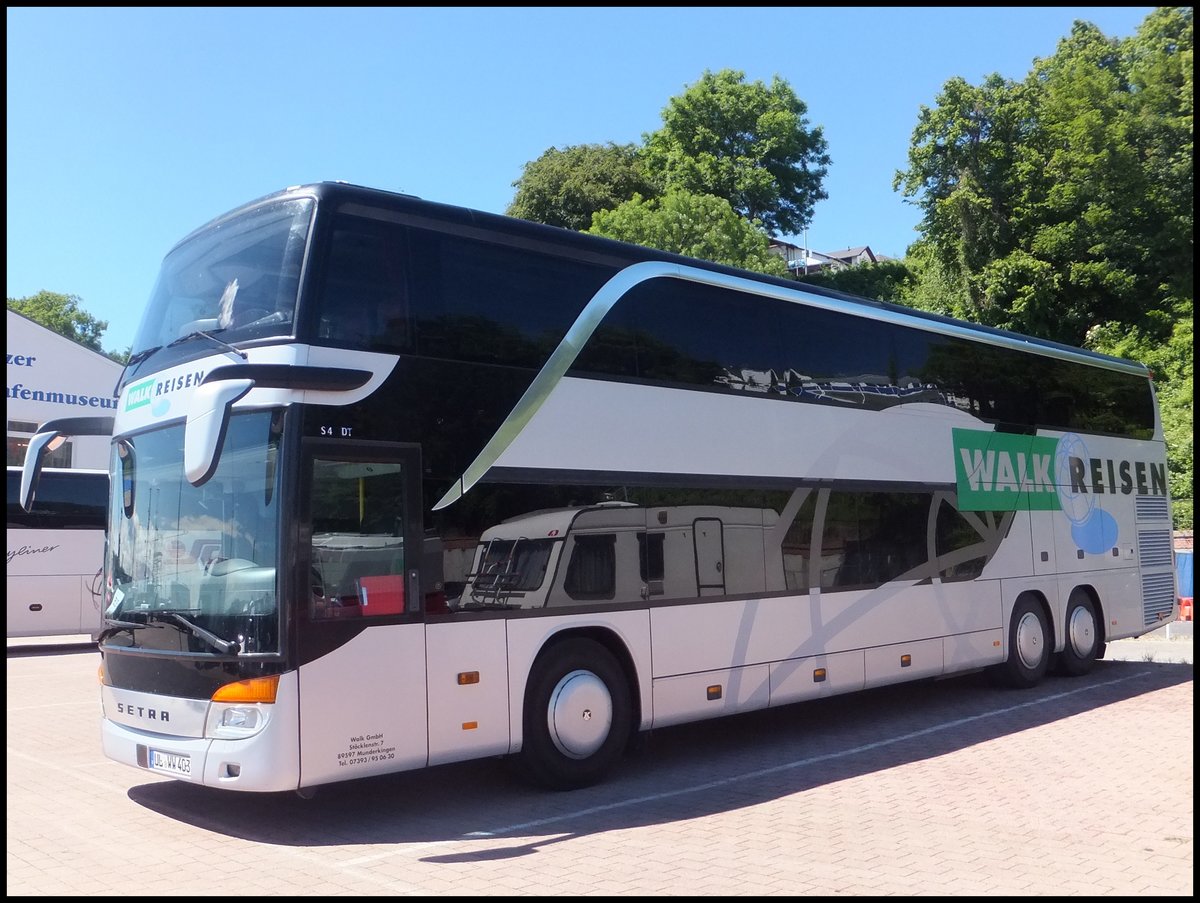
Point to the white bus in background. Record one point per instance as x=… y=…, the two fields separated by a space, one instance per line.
x=56 y=554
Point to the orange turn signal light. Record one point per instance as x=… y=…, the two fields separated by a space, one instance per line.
x=256 y=689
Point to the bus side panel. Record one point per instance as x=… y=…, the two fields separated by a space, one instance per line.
x=362 y=707
x=49 y=580
x=798 y=679
x=468 y=690
x=656 y=425
x=528 y=636
x=788 y=627
x=1110 y=548
x=709 y=694
x=966 y=651
x=904 y=661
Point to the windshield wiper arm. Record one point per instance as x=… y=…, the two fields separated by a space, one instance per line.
x=115 y=625
x=229 y=647
x=135 y=361
x=200 y=333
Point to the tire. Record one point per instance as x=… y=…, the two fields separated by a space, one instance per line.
x=577 y=718
x=1029 y=646
x=1082 y=628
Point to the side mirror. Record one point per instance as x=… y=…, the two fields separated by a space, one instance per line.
x=207 y=420
x=51 y=435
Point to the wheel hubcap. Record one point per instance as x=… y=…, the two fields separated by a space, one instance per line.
x=1082 y=631
x=1030 y=642
x=580 y=714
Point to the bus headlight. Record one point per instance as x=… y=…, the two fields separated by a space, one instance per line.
x=235 y=722
x=241 y=718
x=240 y=709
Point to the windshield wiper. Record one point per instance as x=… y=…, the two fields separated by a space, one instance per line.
x=135 y=361
x=200 y=333
x=229 y=647
x=116 y=625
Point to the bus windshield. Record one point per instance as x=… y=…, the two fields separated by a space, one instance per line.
x=205 y=554
x=238 y=277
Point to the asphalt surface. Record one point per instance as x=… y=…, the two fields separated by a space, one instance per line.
x=1080 y=787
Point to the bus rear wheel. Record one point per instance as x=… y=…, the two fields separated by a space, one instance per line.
x=1082 y=629
x=1028 y=645
x=577 y=718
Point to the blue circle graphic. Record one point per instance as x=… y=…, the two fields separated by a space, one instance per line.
x=1097 y=534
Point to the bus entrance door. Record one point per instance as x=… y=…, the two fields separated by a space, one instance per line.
x=363 y=707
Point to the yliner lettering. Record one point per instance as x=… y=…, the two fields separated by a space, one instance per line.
x=29 y=550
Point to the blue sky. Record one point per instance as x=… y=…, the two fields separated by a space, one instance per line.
x=127 y=128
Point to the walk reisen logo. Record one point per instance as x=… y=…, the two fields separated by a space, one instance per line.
x=1011 y=472
x=155 y=392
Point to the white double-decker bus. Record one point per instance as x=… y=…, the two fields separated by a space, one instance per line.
x=398 y=484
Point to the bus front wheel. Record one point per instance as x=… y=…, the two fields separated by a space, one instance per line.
x=1028 y=645
x=1082 y=628
x=577 y=717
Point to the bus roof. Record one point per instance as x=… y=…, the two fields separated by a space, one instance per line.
x=623 y=252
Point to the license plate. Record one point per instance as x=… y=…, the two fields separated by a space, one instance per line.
x=172 y=763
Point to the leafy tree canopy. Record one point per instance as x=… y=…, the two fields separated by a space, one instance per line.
x=696 y=225
x=62 y=314
x=886 y=280
x=748 y=143
x=1063 y=201
x=565 y=187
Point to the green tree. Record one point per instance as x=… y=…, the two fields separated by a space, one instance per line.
x=1062 y=202
x=748 y=143
x=62 y=314
x=886 y=280
x=696 y=225
x=565 y=187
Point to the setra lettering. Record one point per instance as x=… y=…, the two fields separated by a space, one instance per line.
x=144 y=712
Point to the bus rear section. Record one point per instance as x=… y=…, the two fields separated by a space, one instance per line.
x=56 y=554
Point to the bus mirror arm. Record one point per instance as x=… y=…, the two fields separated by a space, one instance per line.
x=51 y=435
x=207 y=420
x=208 y=415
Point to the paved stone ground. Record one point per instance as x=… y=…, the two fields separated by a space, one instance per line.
x=1080 y=787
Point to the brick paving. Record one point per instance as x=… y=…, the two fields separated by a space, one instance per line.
x=1081 y=787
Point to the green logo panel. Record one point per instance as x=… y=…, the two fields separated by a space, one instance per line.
x=1005 y=472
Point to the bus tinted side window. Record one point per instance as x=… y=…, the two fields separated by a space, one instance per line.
x=364 y=296
x=684 y=333
x=495 y=303
x=64 y=500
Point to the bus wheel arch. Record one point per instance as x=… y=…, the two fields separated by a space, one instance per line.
x=1030 y=643
x=1083 y=633
x=579 y=712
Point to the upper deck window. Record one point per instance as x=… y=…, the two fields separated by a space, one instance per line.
x=238 y=277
